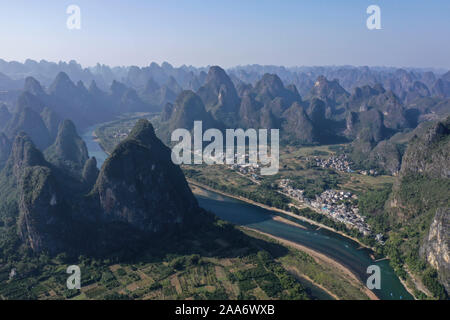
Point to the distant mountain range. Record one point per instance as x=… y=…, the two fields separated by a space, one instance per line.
x=52 y=195
x=407 y=84
x=326 y=113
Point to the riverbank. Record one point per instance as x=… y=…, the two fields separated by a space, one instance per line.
x=411 y=291
x=418 y=285
x=196 y=185
x=318 y=257
x=99 y=142
x=290 y=214
x=197 y=189
x=304 y=276
x=321 y=258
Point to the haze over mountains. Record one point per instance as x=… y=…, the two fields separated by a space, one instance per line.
x=405 y=83
x=311 y=105
x=52 y=194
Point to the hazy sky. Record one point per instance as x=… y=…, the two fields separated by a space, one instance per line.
x=228 y=32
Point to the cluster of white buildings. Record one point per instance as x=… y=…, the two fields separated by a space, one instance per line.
x=342 y=164
x=121 y=133
x=250 y=170
x=338 y=205
x=339 y=163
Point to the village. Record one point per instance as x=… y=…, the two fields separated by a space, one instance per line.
x=340 y=163
x=121 y=133
x=248 y=170
x=338 y=205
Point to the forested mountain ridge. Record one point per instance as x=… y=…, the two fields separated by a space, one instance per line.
x=418 y=208
x=47 y=168
x=55 y=209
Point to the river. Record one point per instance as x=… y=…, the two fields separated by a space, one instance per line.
x=335 y=246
